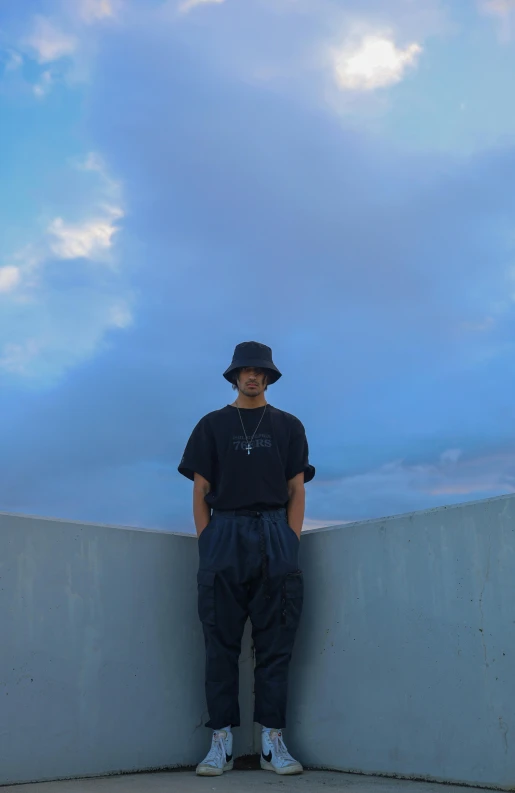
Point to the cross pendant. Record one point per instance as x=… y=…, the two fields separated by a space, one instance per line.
x=248 y=448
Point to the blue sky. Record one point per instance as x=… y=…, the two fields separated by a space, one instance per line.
x=333 y=179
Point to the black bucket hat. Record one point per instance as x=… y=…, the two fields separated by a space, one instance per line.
x=252 y=353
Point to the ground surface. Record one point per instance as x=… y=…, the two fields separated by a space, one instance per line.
x=244 y=779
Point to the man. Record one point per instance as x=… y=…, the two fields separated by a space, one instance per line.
x=249 y=464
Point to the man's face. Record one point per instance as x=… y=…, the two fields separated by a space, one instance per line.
x=252 y=381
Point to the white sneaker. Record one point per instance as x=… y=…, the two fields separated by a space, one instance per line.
x=275 y=755
x=219 y=758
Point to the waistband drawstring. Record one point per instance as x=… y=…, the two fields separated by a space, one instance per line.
x=262 y=541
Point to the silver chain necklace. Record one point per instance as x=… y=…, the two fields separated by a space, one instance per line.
x=248 y=446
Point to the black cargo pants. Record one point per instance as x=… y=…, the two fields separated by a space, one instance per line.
x=248 y=567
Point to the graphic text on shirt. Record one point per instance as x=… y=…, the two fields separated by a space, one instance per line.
x=263 y=440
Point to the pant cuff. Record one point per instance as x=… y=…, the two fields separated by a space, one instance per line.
x=272 y=722
x=216 y=724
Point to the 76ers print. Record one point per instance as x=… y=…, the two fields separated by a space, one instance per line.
x=262 y=440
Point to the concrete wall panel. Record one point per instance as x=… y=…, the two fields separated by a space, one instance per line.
x=102 y=653
x=405 y=657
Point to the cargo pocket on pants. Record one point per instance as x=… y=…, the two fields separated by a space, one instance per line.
x=292 y=600
x=206 y=596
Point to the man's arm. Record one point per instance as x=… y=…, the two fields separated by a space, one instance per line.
x=201 y=510
x=296 y=503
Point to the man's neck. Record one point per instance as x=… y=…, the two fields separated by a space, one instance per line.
x=250 y=403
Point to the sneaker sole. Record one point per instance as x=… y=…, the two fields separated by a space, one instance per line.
x=286 y=771
x=206 y=770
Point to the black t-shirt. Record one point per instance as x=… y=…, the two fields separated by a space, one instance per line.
x=217 y=451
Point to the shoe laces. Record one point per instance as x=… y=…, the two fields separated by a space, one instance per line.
x=281 y=752
x=217 y=753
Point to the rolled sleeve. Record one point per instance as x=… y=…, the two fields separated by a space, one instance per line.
x=298 y=454
x=199 y=453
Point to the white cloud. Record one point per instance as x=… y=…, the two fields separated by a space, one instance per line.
x=499 y=8
x=450 y=456
x=188 y=5
x=319 y=523
x=89 y=239
x=14 y=62
x=417 y=486
x=92 y=162
x=16 y=357
x=120 y=315
x=28 y=259
x=9 y=278
x=504 y=12
x=50 y=43
x=94 y=10
x=44 y=86
x=481 y=327
x=373 y=62
x=50 y=324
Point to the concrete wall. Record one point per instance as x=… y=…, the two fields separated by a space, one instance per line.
x=101 y=654
x=405 y=660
